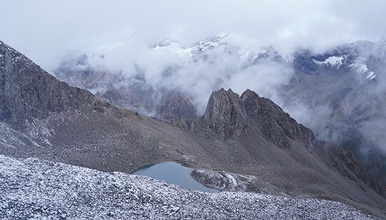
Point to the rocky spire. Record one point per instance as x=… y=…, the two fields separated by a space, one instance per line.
x=225 y=114
x=228 y=115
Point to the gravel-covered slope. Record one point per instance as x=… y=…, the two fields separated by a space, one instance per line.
x=34 y=188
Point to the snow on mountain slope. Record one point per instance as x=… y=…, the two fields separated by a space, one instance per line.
x=333 y=61
x=34 y=188
x=360 y=66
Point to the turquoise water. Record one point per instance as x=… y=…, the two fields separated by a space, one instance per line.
x=172 y=172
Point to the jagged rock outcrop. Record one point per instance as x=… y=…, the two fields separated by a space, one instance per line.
x=227 y=116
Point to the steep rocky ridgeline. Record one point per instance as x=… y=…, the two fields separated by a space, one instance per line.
x=228 y=115
x=244 y=137
x=28 y=92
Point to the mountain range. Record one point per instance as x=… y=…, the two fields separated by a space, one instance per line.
x=243 y=139
x=338 y=94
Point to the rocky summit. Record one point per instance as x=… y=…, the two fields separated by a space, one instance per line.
x=228 y=115
x=241 y=143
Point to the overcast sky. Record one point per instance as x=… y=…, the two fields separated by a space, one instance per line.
x=45 y=30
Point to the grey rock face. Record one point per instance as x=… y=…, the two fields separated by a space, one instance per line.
x=350 y=167
x=28 y=92
x=228 y=114
x=225 y=114
x=277 y=125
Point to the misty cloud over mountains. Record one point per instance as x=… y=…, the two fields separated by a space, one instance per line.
x=197 y=69
x=201 y=67
x=46 y=30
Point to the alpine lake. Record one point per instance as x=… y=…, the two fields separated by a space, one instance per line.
x=174 y=173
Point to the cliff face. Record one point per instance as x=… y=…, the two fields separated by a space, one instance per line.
x=248 y=135
x=225 y=115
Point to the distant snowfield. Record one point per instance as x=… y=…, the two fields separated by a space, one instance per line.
x=34 y=188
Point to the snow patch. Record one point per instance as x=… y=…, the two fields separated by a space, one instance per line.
x=289 y=59
x=360 y=67
x=333 y=61
x=175 y=48
x=371 y=75
x=247 y=57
